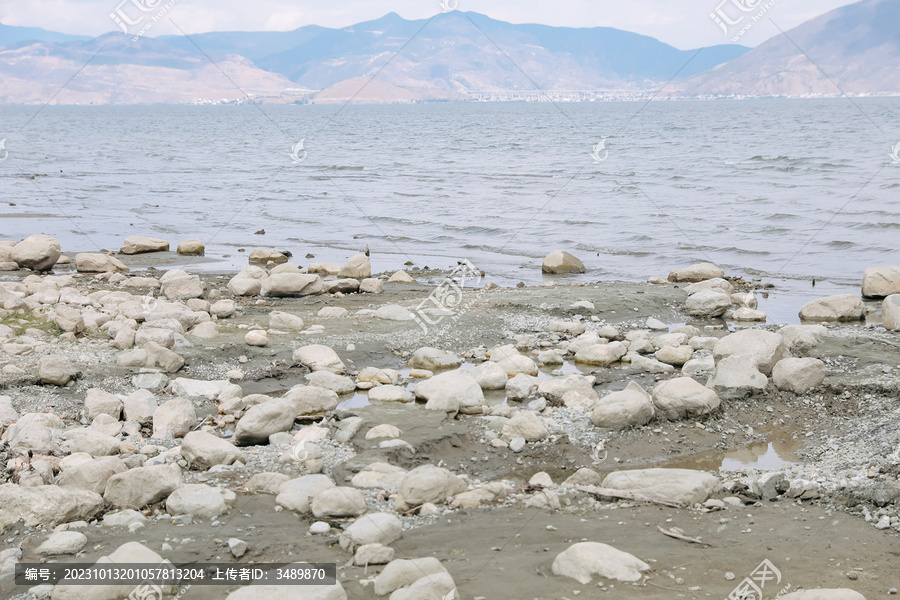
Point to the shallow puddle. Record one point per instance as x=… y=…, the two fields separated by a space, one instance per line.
x=780 y=450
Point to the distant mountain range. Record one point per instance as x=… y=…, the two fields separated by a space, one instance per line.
x=854 y=49
x=445 y=58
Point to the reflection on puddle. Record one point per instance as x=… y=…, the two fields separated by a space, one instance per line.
x=766 y=455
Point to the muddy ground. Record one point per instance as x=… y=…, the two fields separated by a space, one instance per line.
x=506 y=551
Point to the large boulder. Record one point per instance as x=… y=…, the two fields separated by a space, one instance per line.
x=428 y=483
x=248 y=282
x=36 y=252
x=174 y=418
x=890 y=312
x=285 y=321
x=99 y=402
x=601 y=354
x=319 y=358
x=45 y=505
x=631 y=407
x=283 y=285
x=297 y=494
x=842 y=307
x=798 y=375
x=451 y=392
x=339 y=384
x=684 y=397
x=199 y=500
x=98 y=263
x=191 y=248
x=375 y=528
x=879 y=282
x=380 y=476
x=310 y=400
x=561 y=261
x=91 y=475
x=763 y=347
x=338 y=502
x=698 y=272
x=683 y=486
x=555 y=389
x=583 y=560
x=178 y=285
x=527 y=425
x=707 y=303
x=433 y=359
x=137 y=244
x=56 y=370
x=204 y=450
x=401 y=573
x=263 y=420
x=141 y=486
x=393 y=393
x=737 y=377
x=358 y=267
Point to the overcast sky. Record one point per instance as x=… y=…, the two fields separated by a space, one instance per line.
x=683 y=23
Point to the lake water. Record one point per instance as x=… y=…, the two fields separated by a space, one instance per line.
x=786 y=189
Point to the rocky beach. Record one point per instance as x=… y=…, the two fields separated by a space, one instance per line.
x=436 y=436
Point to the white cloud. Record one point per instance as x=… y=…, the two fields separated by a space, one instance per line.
x=682 y=23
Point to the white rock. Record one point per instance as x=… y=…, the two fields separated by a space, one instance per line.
x=684 y=486
x=631 y=407
x=737 y=377
x=338 y=384
x=319 y=358
x=490 y=376
x=373 y=554
x=824 y=594
x=385 y=430
x=401 y=573
x=36 y=252
x=683 y=397
x=879 y=282
x=428 y=483
x=381 y=476
x=583 y=560
x=358 y=267
x=291 y=285
x=338 y=502
x=297 y=494
x=390 y=393
x=560 y=261
x=698 y=272
x=373 y=528
x=263 y=420
x=707 y=303
x=890 y=312
x=203 y=501
x=601 y=354
x=842 y=307
x=137 y=244
x=204 y=450
x=521 y=387
x=798 y=375
x=763 y=347
x=527 y=425
x=257 y=337
x=175 y=417
x=451 y=392
x=62 y=542
x=433 y=359
x=803 y=339
x=141 y=486
x=312 y=400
